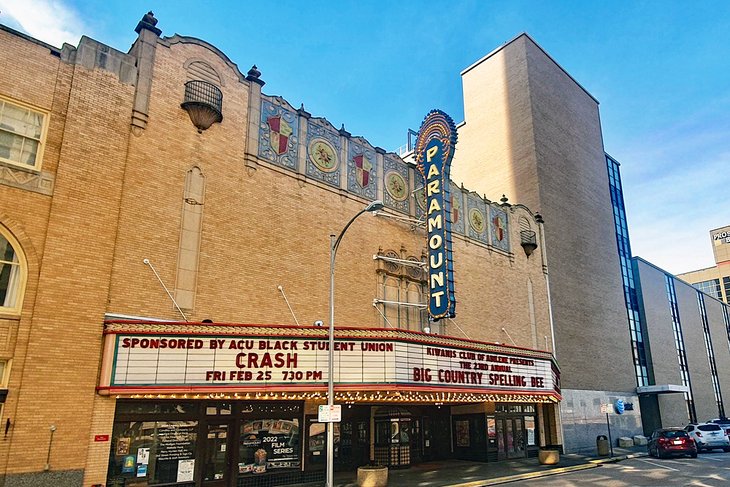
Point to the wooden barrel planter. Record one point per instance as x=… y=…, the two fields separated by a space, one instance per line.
x=372 y=476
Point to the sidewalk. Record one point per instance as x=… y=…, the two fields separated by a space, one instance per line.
x=458 y=473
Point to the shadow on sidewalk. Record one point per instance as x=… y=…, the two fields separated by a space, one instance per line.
x=452 y=473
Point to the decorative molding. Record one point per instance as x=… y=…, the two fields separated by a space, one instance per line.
x=249 y=160
x=42 y=182
x=139 y=122
x=178 y=39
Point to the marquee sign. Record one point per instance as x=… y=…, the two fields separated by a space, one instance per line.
x=434 y=151
x=158 y=362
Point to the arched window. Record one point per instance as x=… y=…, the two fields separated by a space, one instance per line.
x=12 y=273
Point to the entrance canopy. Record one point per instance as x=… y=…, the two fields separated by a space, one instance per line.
x=662 y=389
x=161 y=359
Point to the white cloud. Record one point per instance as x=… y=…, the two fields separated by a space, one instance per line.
x=50 y=21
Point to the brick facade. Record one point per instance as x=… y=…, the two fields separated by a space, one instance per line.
x=117 y=152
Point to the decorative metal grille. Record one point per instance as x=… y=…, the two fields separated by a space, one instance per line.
x=528 y=237
x=204 y=103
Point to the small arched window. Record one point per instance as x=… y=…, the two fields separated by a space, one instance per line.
x=12 y=273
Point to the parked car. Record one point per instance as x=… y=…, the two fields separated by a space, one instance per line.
x=671 y=441
x=709 y=436
x=723 y=422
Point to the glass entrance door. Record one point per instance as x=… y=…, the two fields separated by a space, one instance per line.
x=510 y=438
x=216 y=469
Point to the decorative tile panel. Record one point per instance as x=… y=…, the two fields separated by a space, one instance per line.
x=323 y=152
x=457 y=209
x=362 y=173
x=396 y=183
x=476 y=217
x=278 y=133
x=498 y=228
x=419 y=198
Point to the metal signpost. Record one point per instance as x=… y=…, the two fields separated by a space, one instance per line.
x=606 y=408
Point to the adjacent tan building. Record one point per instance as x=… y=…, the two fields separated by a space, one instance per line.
x=530 y=131
x=714 y=281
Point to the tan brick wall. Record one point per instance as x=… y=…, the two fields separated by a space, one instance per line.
x=659 y=325
x=102 y=422
x=55 y=361
x=533 y=133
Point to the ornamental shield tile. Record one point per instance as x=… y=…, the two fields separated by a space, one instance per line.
x=457 y=209
x=361 y=169
x=499 y=232
x=279 y=133
x=278 y=128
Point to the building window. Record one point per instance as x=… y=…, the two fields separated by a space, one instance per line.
x=22 y=131
x=12 y=274
x=726 y=285
x=637 y=328
x=403 y=295
x=711 y=287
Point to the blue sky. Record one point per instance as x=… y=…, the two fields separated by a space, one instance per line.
x=660 y=69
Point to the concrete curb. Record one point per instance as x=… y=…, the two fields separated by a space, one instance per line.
x=618 y=458
x=546 y=473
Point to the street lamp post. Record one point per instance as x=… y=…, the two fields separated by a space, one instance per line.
x=334 y=245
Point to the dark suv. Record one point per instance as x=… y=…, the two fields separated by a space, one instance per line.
x=671 y=441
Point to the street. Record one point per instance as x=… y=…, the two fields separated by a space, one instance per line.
x=708 y=469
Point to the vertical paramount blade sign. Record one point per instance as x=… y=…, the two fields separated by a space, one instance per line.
x=434 y=151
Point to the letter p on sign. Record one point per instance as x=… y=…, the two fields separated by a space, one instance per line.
x=431 y=152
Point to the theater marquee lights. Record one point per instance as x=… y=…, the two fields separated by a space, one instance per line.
x=434 y=151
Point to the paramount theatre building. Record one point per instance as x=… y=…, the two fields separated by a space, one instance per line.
x=165 y=227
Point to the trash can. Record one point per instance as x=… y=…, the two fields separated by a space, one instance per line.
x=602 y=445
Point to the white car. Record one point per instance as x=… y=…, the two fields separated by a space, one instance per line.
x=708 y=436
